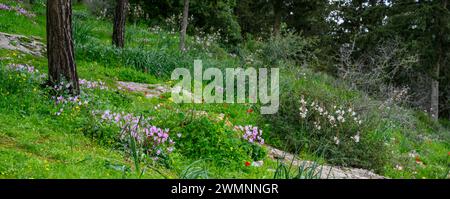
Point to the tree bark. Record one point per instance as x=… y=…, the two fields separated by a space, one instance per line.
x=60 y=51
x=184 y=25
x=434 y=108
x=277 y=11
x=119 y=23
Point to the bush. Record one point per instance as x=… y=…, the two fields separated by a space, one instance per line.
x=206 y=139
x=318 y=117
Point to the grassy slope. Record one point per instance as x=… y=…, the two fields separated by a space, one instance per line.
x=36 y=145
x=39 y=145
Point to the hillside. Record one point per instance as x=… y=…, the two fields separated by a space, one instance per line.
x=49 y=134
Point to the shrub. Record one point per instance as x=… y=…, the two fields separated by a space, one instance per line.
x=317 y=117
x=206 y=139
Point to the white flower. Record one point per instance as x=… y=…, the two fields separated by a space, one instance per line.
x=340 y=118
x=356 y=137
x=302 y=101
x=336 y=140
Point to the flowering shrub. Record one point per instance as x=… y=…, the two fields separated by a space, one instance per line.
x=337 y=119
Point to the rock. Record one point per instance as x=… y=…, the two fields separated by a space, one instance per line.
x=323 y=171
x=29 y=45
x=257 y=163
x=149 y=90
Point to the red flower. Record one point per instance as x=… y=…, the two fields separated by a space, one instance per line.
x=247 y=164
x=418 y=159
x=448 y=153
x=250 y=110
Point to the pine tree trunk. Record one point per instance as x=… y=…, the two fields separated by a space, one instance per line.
x=277 y=10
x=434 y=109
x=119 y=23
x=184 y=25
x=60 y=51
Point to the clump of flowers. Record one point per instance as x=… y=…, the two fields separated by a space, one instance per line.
x=18 y=9
x=153 y=141
x=4 y=7
x=120 y=119
x=93 y=84
x=64 y=103
x=251 y=134
x=335 y=120
x=27 y=69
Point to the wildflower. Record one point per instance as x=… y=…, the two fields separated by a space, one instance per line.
x=418 y=160
x=4 y=7
x=398 y=167
x=356 y=137
x=247 y=164
x=250 y=110
x=179 y=135
x=302 y=101
x=336 y=140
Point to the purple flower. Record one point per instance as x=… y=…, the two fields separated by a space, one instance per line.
x=4 y=7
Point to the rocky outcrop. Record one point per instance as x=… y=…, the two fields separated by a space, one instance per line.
x=30 y=45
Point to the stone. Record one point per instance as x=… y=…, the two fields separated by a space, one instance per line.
x=29 y=45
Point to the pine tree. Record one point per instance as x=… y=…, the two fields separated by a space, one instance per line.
x=60 y=51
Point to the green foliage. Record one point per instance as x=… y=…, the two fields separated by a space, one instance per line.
x=203 y=138
x=157 y=63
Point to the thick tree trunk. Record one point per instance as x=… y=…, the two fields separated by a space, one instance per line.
x=277 y=11
x=119 y=23
x=184 y=25
x=60 y=52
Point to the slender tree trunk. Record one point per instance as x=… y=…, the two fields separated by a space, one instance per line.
x=277 y=10
x=119 y=23
x=434 y=108
x=60 y=51
x=184 y=25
